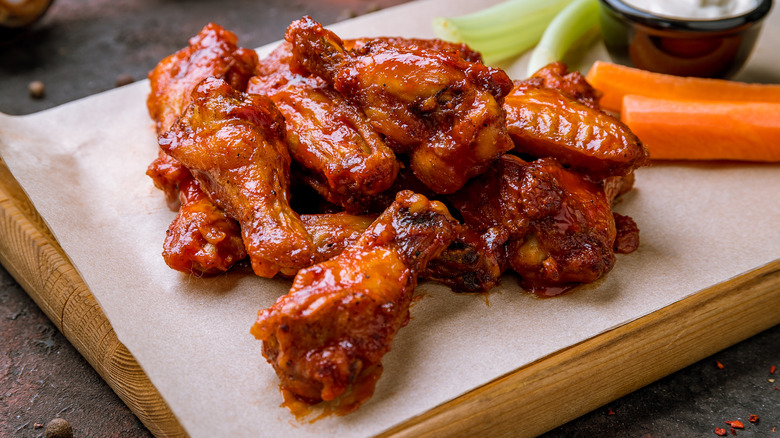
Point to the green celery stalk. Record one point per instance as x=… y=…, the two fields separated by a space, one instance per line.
x=566 y=29
x=502 y=31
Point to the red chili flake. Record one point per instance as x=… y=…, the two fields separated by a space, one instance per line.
x=753 y=418
x=720 y=431
x=736 y=423
x=720 y=365
x=733 y=432
x=610 y=412
x=772 y=369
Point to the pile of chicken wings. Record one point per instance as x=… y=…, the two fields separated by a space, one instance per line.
x=359 y=166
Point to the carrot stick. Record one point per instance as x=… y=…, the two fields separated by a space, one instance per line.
x=616 y=81
x=705 y=130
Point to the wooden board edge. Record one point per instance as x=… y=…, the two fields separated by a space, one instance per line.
x=569 y=383
x=33 y=257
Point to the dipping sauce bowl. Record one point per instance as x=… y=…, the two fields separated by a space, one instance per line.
x=715 y=48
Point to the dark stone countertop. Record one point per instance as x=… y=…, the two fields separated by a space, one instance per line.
x=82 y=47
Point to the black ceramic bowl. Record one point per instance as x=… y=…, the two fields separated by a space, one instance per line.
x=715 y=48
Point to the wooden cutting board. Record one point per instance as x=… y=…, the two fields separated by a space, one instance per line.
x=529 y=401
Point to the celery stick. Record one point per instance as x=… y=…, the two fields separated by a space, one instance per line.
x=568 y=27
x=502 y=31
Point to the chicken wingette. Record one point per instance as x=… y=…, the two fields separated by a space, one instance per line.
x=555 y=115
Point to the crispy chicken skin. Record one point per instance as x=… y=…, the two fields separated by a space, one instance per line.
x=546 y=122
x=329 y=334
x=443 y=111
x=559 y=227
x=573 y=244
x=201 y=240
x=233 y=144
x=345 y=160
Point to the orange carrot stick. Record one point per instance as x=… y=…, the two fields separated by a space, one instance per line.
x=616 y=81
x=705 y=130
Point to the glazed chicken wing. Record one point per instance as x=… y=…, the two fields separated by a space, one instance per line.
x=233 y=144
x=344 y=159
x=546 y=122
x=473 y=262
x=560 y=228
x=442 y=110
x=202 y=240
x=572 y=245
x=329 y=334
x=212 y=52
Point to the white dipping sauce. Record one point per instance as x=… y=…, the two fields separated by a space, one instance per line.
x=695 y=9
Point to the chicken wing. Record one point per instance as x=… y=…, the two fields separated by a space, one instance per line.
x=201 y=240
x=212 y=52
x=329 y=334
x=546 y=122
x=233 y=144
x=345 y=160
x=560 y=228
x=441 y=109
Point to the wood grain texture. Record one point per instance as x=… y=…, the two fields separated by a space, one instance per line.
x=527 y=402
x=30 y=253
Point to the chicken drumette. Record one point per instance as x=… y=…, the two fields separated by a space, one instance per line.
x=442 y=110
x=329 y=334
x=233 y=143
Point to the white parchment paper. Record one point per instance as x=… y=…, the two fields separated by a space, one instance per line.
x=83 y=164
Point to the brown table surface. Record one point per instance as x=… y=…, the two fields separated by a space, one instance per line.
x=82 y=47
